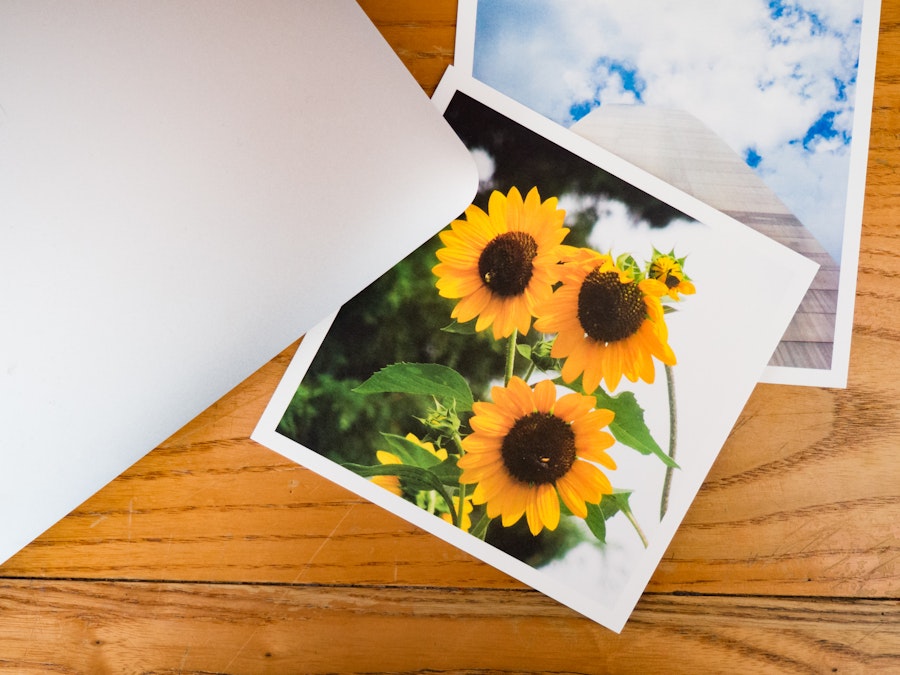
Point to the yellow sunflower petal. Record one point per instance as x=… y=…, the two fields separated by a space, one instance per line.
x=472 y=305
x=486 y=317
x=590 y=481
x=478 y=460
x=508 y=317
x=478 y=223
x=493 y=424
x=498 y=210
x=574 y=364
x=544 y=396
x=548 y=507
x=568 y=492
x=491 y=475
x=574 y=405
x=543 y=509
x=593 y=448
x=593 y=365
x=516 y=502
x=593 y=420
x=384 y=457
x=521 y=397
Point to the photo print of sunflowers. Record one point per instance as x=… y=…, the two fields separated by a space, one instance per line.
x=517 y=377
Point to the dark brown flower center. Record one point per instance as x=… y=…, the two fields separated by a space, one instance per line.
x=608 y=309
x=672 y=281
x=505 y=263
x=540 y=448
x=666 y=272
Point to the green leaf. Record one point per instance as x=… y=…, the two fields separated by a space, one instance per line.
x=414 y=479
x=524 y=350
x=410 y=453
x=447 y=471
x=627 y=263
x=609 y=506
x=424 y=379
x=629 y=427
x=596 y=522
x=458 y=328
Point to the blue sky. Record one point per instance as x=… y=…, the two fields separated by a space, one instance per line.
x=774 y=78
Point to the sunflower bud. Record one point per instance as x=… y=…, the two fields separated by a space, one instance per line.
x=442 y=420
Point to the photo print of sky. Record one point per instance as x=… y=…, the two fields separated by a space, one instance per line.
x=774 y=79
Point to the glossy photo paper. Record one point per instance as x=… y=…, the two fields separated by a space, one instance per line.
x=760 y=108
x=547 y=381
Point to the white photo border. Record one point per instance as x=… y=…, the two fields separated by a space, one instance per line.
x=837 y=375
x=798 y=273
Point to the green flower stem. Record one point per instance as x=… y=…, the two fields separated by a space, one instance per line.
x=528 y=372
x=636 y=526
x=462 y=504
x=457 y=441
x=460 y=451
x=510 y=357
x=673 y=433
x=455 y=516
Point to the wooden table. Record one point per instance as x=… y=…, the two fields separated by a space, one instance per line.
x=213 y=554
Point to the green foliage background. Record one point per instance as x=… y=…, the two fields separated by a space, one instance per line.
x=397 y=318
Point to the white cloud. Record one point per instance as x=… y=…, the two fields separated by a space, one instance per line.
x=815 y=185
x=757 y=81
x=485 y=165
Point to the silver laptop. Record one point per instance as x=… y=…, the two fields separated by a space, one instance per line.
x=186 y=186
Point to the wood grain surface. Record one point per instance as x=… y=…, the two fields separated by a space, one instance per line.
x=215 y=555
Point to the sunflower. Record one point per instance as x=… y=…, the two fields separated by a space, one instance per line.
x=502 y=263
x=668 y=269
x=608 y=324
x=529 y=449
x=392 y=483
